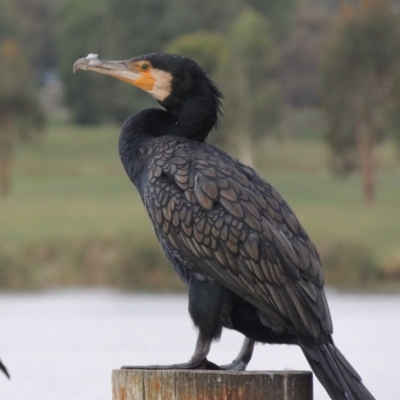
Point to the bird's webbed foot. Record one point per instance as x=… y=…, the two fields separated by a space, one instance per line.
x=198 y=360
x=243 y=358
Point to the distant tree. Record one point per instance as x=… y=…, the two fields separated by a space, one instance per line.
x=249 y=73
x=38 y=32
x=122 y=29
x=82 y=29
x=20 y=112
x=302 y=56
x=189 y=16
x=279 y=13
x=358 y=79
x=203 y=47
x=394 y=109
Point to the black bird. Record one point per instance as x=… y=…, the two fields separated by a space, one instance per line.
x=247 y=262
x=4 y=369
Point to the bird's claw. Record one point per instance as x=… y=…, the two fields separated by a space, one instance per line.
x=234 y=366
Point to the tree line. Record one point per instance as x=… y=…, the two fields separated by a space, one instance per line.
x=268 y=57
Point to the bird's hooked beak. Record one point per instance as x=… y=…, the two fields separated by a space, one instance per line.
x=137 y=73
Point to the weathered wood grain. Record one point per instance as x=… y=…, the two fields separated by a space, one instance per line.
x=211 y=385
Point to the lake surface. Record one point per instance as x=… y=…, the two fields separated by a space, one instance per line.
x=63 y=345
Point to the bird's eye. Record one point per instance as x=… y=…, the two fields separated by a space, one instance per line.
x=145 y=67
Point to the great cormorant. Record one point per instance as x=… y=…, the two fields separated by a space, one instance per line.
x=247 y=262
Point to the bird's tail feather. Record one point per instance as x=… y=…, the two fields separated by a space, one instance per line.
x=4 y=369
x=335 y=373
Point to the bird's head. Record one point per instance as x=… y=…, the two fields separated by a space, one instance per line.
x=176 y=82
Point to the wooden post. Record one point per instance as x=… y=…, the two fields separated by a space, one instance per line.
x=131 y=384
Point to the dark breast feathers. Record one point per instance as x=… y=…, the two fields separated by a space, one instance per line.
x=221 y=220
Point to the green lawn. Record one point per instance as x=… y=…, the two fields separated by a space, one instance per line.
x=71 y=185
x=333 y=209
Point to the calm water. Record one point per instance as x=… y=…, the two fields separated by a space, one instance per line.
x=63 y=345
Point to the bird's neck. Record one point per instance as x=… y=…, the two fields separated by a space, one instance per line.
x=194 y=119
x=137 y=137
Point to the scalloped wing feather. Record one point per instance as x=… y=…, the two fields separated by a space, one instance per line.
x=219 y=218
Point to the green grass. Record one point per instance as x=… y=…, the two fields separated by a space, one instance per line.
x=48 y=207
x=332 y=209
x=42 y=207
x=71 y=186
x=71 y=150
x=71 y=183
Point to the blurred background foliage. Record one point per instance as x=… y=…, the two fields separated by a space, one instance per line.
x=312 y=100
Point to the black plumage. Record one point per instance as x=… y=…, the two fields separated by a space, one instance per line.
x=248 y=263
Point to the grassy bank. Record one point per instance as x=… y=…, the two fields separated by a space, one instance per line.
x=74 y=218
